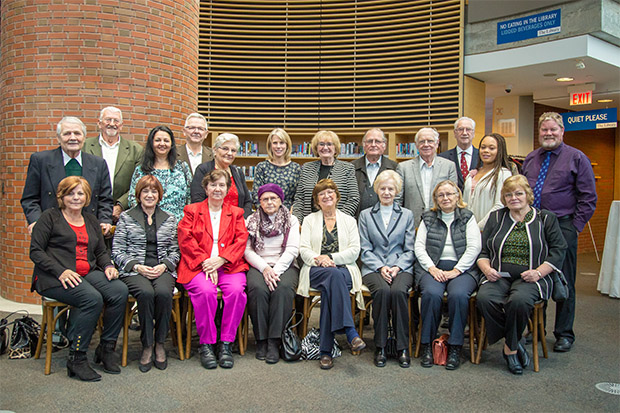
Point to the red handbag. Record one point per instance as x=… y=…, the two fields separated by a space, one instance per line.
x=440 y=350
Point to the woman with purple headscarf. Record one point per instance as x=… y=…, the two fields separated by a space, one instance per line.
x=271 y=250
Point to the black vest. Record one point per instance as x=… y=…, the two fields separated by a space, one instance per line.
x=436 y=232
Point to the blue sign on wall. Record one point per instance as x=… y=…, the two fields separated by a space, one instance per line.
x=529 y=27
x=590 y=119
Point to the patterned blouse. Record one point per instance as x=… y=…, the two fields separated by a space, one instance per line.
x=330 y=240
x=284 y=176
x=517 y=247
x=176 y=183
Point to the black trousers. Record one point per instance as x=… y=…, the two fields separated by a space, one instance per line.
x=506 y=306
x=394 y=298
x=154 y=298
x=565 y=310
x=270 y=310
x=87 y=300
x=459 y=290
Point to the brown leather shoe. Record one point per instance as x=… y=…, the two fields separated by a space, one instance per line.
x=326 y=362
x=357 y=344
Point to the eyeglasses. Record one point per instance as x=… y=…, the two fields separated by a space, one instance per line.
x=227 y=149
x=427 y=142
x=112 y=120
x=327 y=192
x=445 y=195
x=461 y=130
x=269 y=199
x=198 y=128
x=326 y=144
x=517 y=194
x=374 y=142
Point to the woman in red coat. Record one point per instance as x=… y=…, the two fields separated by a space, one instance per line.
x=212 y=240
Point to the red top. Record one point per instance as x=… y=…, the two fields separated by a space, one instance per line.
x=82 y=266
x=232 y=197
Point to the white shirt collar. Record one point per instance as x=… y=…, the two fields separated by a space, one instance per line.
x=66 y=158
x=371 y=163
x=468 y=151
x=103 y=142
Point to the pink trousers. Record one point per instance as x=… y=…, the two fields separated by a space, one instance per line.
x=203 y=294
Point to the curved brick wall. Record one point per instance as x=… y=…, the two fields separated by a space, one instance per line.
x=71 y=58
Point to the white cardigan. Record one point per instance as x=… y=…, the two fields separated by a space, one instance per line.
x=348 y=250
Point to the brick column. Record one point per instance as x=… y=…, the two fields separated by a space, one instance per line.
x=74 y=58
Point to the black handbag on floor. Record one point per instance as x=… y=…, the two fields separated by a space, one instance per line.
x=291 y=344
x=24 y=338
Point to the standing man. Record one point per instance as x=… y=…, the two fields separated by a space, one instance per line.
x=464 y=155
x=563 y=182
x=47 y=168
x=193 y=151
x=370 y=165
x=120 y=155
x=422 y=173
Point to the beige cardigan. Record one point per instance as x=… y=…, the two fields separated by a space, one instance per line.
x=348 y=250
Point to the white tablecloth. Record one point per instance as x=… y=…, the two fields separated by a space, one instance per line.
x=609 y=277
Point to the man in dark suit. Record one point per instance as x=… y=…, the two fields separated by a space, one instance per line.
x=193 y=151
x=464 y=155
x=47 y=168
x=370 y=165
x=121 y=155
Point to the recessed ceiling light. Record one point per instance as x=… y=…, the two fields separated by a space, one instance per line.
x=565 y=79
x=605 y=100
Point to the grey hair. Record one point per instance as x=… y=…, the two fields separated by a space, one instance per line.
x=375 y=130
x=226 y=137
x=70 y=119
x=111 y=109
x=433 y=131
x=473 y=123
x=198 y=116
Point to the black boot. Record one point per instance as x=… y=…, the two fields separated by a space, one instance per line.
x=77 y=365
x=105 y=354
x=207 y=356
x=454 y=357
x=224 y=355
x=261 y=349
x=273 y=351
x=427 y=356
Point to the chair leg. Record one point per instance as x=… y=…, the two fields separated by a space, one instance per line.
x=471 y=322
x=48 y=346
x=240 y=335
x=304 y=323
x=541 y=327
x=37 y=353
x=245 y=329
x=418 y=339
x=179 y=334
x=481 y=340
x=411 y=329
x=190 y=320
x=535 y=339
x=126 y=322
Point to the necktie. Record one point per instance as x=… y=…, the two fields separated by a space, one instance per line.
x=464 y=168
x=542 y=175
x=73 y=168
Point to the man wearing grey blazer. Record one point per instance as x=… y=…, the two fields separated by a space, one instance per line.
x=422 y=173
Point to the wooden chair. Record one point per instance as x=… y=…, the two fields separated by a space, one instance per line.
x=472 y=321
x=314 y=297
x=368 y=301
x=175 y=325
x=536 y=325
x=242 y=330
x=47 y=323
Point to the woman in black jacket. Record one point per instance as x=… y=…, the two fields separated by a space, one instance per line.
x=72 y=265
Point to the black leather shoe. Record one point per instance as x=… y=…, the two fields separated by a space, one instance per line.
x=514 y=365
x=224 y=355
x=404 y=360
x=426 y=360
x=273 y=351
x=106 y=355
x=261 y=349
x=524 y=356
x=380 y=358
x=562 y=345
x=207 y=356
x=454 y=357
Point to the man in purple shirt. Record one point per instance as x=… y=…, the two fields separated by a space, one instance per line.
x=563 y=184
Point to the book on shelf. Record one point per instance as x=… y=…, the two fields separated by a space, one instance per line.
x=351 y=150
x=249 y=148
x=406 y=150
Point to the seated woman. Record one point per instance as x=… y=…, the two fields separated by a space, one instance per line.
x=271 y=250
x=329 y=247
x=146 y=251
x=72 y=265
x=447 y=245
x=212 y=239
x=521 y=246
x=387 y=235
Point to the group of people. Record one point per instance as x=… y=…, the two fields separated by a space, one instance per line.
x=185 y=217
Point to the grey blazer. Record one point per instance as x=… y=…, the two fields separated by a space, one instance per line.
x=46 y=170
x=412 y=197
x=391 y=247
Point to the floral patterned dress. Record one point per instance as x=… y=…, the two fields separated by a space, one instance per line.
x=284 y=176
x=176 y=184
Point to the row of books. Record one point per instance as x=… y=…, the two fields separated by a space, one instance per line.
x=351 y=149
x=406 y=150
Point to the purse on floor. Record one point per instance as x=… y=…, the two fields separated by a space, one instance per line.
x=310 y=346
x=291 y=344
x=24 y=337
x=440 y=350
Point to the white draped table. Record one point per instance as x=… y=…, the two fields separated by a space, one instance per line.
x=609 y=277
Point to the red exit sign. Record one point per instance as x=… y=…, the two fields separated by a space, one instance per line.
x=581 y=98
